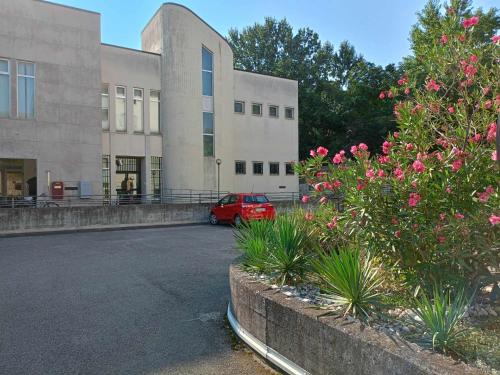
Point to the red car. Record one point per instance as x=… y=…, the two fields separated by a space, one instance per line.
x=234 y=208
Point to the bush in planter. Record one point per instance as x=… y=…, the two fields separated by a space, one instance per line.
x=253 y=238
x=429 y=203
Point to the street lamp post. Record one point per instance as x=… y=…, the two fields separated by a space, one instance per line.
x=218 y=161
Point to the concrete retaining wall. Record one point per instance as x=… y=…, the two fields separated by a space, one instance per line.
x=67 y=218
x=327 y=344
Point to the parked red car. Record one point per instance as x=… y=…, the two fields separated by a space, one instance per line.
x=234 y=208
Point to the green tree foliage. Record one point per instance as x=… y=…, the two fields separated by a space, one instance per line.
x=337 y=89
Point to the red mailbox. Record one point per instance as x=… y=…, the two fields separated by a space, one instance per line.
x=57 y=189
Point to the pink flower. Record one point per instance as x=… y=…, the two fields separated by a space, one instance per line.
x=354 y=150
x=473 y=59
x=323 y=200
x=395 y=135
x=459 y=216
x=432 y=85
x=444 y=39
x=439 y=156
x=448 y=190
x=309 y=216
x=318 y=186
x=483 y=197
x=339 y=157
x=403 y=80
x=495 y=39
x=399 y=174
x=384 y=159
x=492 y=132
x=381 y=173
x=394 y=221
x=414 y=199
x=305 y=199
x=490 y=189
x=469 y=22
x=354 y=214
x=397 y=234
x=494 y=219
x=320 y=174
x=407 y=91
x=418 y=166
x=486 y=90
x=461 y=38
x=409 y=147
x=457 y=164
x=451 y=109
x=363 y=147
x=360 y=186
x=312 y=153
x=494 y=156
x=322 y=151
x=488 y=104
x=370 y=174
x=327 y=185
x=470 y=71
x=381 y=96
x=389 y=94
x=386 y=147
x=442 y=216
x=332 y=224
x=476 y=138
x=441 y=239
x=460 y=101
x=337 y=184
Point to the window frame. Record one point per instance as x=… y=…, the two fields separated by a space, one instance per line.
x=103 y=94
x=153 y=99
x=242 y=102
x=260 y=112
x=204 y=134
x=203 y=47
x=291 y=164
x=124 y=97
x=244 y=164
x=141 y=99
x=254 y=163
x=277 y=110
x=9 y=85
x=293 y=113
x=274 y=163
x=34 y=88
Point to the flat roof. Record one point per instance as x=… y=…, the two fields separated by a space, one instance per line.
x=264 y=74
x=130 y=49
x=68 y=7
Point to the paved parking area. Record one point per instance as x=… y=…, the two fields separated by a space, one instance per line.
x=147 y=301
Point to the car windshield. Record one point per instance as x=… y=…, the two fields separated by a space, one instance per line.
x=255 y=199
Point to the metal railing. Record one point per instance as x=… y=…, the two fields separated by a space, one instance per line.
x=171 y=196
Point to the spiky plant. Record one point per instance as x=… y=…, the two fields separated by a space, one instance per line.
x=253 y=238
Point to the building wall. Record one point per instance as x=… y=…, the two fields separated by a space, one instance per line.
x=131 y=69
x=64 y=137
x=264 y=138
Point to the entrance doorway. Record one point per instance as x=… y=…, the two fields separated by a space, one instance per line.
x=18 y=182
x=127 y=181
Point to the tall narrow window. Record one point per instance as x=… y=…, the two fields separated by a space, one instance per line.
x=4 y=88
x=106 y=176
x=156 y=176
x=138 y=111
x=208 y=134
x=154 y=111
x=105 y=107
x=25 y=90
x=121 y=108
x=207 y=72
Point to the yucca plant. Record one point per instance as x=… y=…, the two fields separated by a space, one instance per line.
x=288 y=259
x=440 y=319
x=253 y=238
x=349 y=281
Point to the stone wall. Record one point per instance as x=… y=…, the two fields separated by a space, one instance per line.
x=322 y=344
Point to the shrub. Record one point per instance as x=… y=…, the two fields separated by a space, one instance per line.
x=440 y=319
x=349 y=280
x=253 y=239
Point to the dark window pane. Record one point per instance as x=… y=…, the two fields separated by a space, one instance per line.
x=289 y=169
x=207 y=59
x=240 y=167
x=208 y=145
x=207 y=84
x=208 y=123
x=258 y=168
x=256 y=109
x=239 y=107
x=274 y=168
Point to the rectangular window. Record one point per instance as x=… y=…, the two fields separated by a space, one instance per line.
x=289 y=169
x=257 y=109
x=274 y=169
x=138 y=111
x=154 y=111
x=258 y=167
x=274 y=111
x=25 y=90
x=208 y=134
x=121 y=109
x=106 y=176
x=156 y=176
x=4 y=88
x=240 y=167
x=289 y=113
x=207 y=72
x=239 y=106
x=105 y=107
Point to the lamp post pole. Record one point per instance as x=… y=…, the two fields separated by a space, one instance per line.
x=218 y=161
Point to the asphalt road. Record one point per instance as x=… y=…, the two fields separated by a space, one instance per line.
x=148 y=301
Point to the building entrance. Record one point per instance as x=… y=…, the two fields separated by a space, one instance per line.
x=127 y=181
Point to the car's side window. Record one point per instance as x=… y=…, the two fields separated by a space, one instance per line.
x=225 y=200
x=233 y=199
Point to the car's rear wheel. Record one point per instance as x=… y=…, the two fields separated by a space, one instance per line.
x=213 y=219
x=237 y=220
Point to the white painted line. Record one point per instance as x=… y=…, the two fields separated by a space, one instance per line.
x=265 y=351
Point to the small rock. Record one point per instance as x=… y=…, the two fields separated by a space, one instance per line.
x=492 y=311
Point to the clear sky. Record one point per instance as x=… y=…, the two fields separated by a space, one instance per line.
x=378 y=29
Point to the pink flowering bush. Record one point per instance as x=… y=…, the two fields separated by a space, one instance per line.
x=429 y=204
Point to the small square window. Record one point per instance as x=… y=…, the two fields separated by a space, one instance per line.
x=274 y=169
x=239 y=106
x=240 y=167
x=274 y=111
x=258 y=168
x=120 y=91
x=138 y=94
x=289 y=169
x=257 y=109
x=289 y=113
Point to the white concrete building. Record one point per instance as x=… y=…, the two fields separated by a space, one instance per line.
x=89 y=115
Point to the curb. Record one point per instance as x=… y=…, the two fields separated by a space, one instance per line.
x=262 y=349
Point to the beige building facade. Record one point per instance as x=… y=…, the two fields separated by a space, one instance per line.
x=102 y=119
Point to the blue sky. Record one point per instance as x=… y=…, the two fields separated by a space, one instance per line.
x=378 y=29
